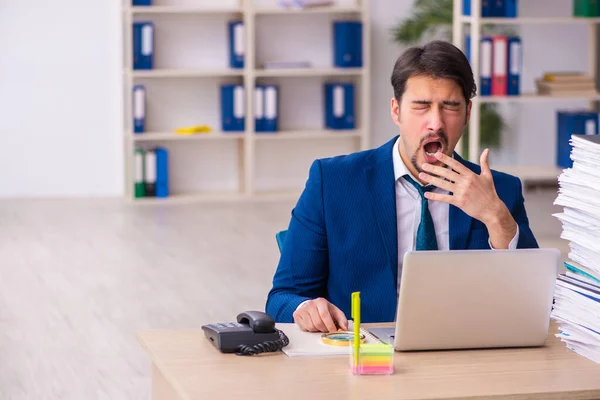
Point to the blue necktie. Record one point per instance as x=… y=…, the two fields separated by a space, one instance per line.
x=426 y=239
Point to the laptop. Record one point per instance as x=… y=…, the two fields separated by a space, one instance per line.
x=473 y=299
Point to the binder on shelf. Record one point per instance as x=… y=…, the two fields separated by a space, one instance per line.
x=497 y=8
x=150 y=173
x=485 y=65
x=139 y=109
x=162 y=172
x=515 y=60
x=573 y=122
x=266 y=108
x=271 y=109
x=586 y=8
x=499 y=59
x=339 y=106
x=511 y=7
x=347 y=44
x=139 y=189
x=141 y=2
x=486 y=8
x=236 y=44
x=143 y=45
x=259 y=106
x=233 y=110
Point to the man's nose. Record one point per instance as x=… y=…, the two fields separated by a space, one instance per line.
x=436 y=122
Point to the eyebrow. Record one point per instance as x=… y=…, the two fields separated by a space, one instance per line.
x=445 y=102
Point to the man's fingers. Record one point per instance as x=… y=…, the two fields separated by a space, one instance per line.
x=484 y=162
x=316 y=319
x=444 y=198
x=323 y=309
x=452 y=163
x=438 y=182
x=339 y=317
x=441 y=171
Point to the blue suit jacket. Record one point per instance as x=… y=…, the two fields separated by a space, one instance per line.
x=343 y=236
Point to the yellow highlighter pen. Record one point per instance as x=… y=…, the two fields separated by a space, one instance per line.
x=356 y=318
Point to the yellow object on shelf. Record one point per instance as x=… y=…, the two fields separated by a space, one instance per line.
x=191 y=130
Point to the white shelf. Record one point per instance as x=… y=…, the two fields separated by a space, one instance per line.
x=531 y=174
x=310 y=10
x=531 y=20
x=177 y=198
x=302 y=72
x=169 y=136
x=525 y=98
x=185 y=73
x=307 y=134
x=217 y=197
x=144 y=10
x=243 y=144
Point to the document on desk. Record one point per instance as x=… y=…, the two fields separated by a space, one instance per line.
x=310 y=344
x=577 y=292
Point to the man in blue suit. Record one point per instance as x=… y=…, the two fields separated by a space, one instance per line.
x=360 y=213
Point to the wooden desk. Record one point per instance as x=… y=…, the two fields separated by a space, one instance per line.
x=186 y=366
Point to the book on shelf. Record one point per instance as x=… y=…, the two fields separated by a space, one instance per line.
x=577 y=291
x=286 y=64
x=305 y=3
x=566 y=84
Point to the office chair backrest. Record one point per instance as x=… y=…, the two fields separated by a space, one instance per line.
x=280 y=237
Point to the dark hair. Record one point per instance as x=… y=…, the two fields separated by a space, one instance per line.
x=437 y=59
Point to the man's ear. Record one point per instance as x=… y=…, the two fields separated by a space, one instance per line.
x=395 y=111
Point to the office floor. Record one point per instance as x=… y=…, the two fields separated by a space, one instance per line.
x=80 y=277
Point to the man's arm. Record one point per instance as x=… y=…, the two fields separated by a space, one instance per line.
x=526 y=237
x=303 y=266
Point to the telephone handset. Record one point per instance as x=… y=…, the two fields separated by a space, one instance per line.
x=253 y=333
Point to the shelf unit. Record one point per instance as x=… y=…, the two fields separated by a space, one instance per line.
x=246 y=142
x=474 y=23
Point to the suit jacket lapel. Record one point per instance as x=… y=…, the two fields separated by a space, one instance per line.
x=382 y=190
x=460 y=222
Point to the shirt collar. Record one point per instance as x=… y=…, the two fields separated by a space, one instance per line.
x=399 y=167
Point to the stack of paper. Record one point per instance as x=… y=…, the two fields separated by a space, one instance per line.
x=577 y=293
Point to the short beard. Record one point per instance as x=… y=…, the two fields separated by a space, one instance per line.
x=443 y=138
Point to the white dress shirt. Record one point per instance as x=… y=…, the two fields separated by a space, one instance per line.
x=408 y=213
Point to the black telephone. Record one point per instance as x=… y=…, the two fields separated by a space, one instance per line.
x=253 y=333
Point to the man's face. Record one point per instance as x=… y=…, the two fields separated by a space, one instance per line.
x=431 y=116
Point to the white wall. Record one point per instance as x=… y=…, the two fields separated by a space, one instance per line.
x=60 y=98
x=55 y=54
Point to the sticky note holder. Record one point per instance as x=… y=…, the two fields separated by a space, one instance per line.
x=368 y=358
x=373 y=359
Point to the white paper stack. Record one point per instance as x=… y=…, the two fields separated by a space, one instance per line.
x=577 y=293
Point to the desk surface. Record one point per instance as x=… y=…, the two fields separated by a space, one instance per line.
x=195 y=369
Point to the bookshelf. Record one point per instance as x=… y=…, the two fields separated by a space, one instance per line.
x=473 y=25
x=222 y=166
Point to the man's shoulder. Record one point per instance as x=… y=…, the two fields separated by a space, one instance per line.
x=347 y=162
x=360 y=159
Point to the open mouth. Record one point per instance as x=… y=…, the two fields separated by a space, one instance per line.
x=432 y=147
